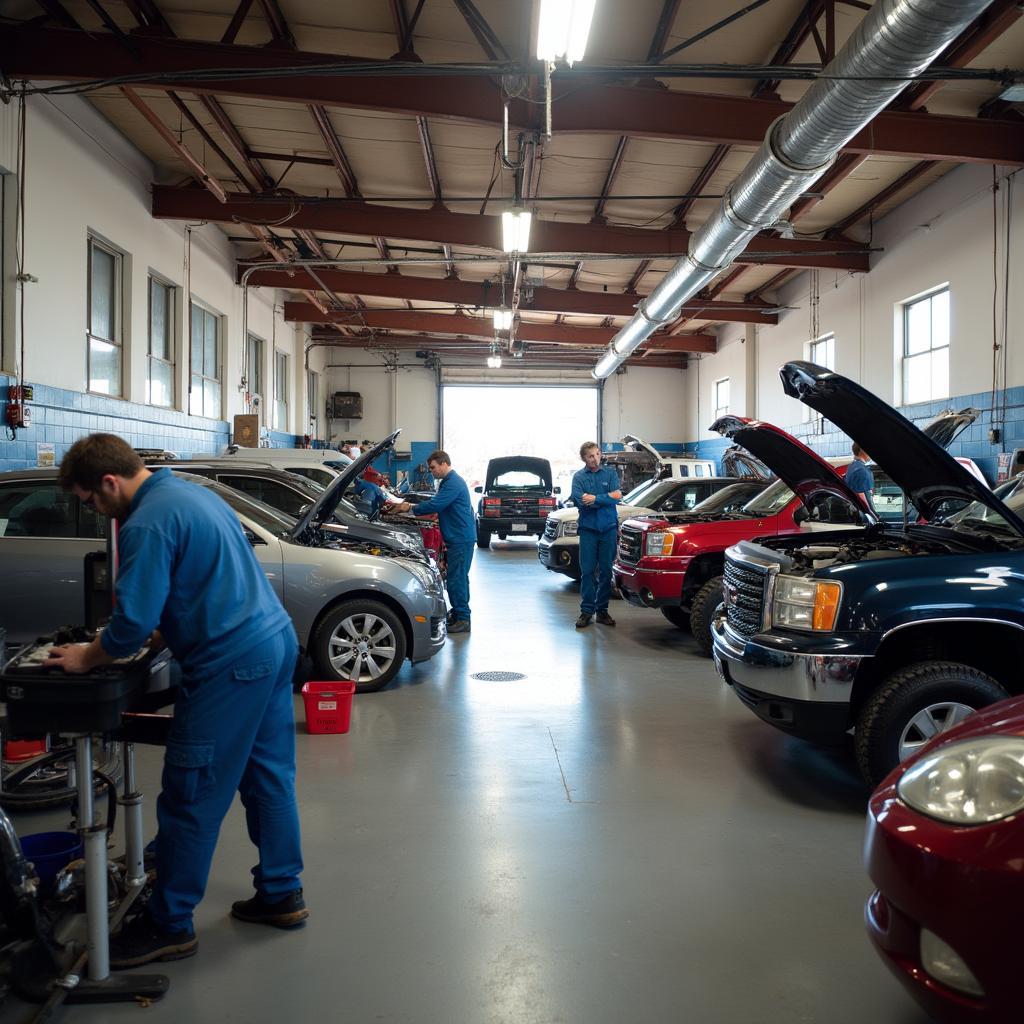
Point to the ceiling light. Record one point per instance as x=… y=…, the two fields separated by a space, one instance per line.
x=494 y=362
x=1013 y=93
x=503 y=319
x=563 y=29
x=515 y=230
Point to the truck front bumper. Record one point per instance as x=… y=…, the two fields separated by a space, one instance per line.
x=650 y=588
x=560 y=555
x=807 y=695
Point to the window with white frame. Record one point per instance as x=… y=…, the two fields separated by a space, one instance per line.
x=254 y=371
x=160 y=375
x=280 y=391
x=313 y=394
x=204 y=397
x=720 y=397
x=104 y=319
x=926 y=348
x=822 y=352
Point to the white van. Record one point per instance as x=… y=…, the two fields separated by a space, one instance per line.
x=319 y=464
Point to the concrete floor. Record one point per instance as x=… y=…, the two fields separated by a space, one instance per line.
x=612 y=839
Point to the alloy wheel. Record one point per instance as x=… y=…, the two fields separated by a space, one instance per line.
x=929 y=722
x=362 y=647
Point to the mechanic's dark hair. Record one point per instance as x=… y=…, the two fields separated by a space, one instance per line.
x=439 y=456
x=92 y=458
x=586 y=446
x=856 y=449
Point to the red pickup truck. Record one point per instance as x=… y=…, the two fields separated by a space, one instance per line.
x=674 y=562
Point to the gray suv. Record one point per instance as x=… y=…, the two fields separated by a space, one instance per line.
x=359 y=610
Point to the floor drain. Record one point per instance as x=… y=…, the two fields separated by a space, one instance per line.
x=498 y=677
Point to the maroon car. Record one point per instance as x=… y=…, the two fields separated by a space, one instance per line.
x=945 y=848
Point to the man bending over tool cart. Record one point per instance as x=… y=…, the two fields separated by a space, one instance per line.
x=186 y=568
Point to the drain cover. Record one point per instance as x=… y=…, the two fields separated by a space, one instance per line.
x=498 y=677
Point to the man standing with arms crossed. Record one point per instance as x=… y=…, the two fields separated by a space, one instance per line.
x=595 y=492
x=458 y=527
x=187 y=570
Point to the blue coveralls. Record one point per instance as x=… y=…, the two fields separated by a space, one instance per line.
x=458 y=527
x=861 y=480
x=187 y=569
x=598 y=528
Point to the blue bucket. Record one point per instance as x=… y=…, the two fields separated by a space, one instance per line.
x=51 y=851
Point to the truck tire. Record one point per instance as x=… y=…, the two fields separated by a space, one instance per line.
x=676 y=616
x=702 y=611
x=335 y=652
x=913 y=704
x=483 y=537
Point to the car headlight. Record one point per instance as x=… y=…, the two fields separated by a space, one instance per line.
x=428 y=575
x=569 y=528
x=802 y=603
x=658 y=543
x=970 y=782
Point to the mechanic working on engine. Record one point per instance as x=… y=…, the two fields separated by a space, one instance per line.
x=187 y=571
x=458 y=527
x=859 y=478
x=596 y=491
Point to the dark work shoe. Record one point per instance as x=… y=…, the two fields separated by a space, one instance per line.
x=142 y=940
x=584 y=620
x=288 y=911
x=459 y=626
x=605 y=619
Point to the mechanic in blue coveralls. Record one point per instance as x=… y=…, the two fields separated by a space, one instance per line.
x=458 y=527
x=595 y=492
x=187 y=573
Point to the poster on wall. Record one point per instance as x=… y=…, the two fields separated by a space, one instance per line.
x=46 y=454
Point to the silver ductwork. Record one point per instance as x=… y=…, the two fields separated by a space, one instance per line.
x=896 y=40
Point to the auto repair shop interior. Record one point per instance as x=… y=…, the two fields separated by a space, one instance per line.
x=289 y=250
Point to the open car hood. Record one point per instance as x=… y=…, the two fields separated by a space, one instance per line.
x=740 y=463
x=917 y=465
x=638 y=444
x=807 y=474
x=524 y=463
x=324 y=508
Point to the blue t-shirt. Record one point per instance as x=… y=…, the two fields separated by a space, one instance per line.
x=186 y=568
x=601 y=515
x=454 y=510
x=860 y=480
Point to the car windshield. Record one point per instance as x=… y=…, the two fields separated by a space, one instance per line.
x=634 y=497
x=730 y=498
x=774 y=498
x=656 y=492
x=514 y=478
x=277 y=523
x=977 y=514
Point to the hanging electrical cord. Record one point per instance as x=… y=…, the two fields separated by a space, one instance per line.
x=19 y=252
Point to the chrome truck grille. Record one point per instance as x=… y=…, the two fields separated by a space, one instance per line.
x=744 y=586
x=630 y=542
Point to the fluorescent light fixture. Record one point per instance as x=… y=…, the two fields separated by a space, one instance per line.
x=1013 y=93
x=515 y=230
x=503 y=319
x=563 y=29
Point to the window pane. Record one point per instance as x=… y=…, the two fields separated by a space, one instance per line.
x=210 y=361
x=211 y=399
x=104 y=367
x=254 y=371
x=940 y=319
x=158 y=321
x=31 y=511
x=195 y=397
x=918 y=327
x=161 y=383
x=940 y=373
x=103 y=293
x=917 y=379
x=197 y=339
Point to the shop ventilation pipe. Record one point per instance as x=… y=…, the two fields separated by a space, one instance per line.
x=896 y=40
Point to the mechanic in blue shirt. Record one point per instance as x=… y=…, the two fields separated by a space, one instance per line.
x=458 y=527
x=187 y=570
x=595 y=492
x=859 y=478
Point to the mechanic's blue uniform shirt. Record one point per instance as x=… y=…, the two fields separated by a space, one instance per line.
x=194 y=578
x=860 y=479
x=601 y=515
x=454 y=510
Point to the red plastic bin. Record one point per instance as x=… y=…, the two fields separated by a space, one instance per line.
x=328 y=706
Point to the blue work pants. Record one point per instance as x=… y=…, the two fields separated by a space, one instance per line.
x=597 y=552
x=232 y=731
x=460 y=558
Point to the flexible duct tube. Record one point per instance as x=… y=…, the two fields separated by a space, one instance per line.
x=897 y=39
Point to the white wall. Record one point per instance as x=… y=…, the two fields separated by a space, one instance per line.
x=943 y=235
x=647 y=403
x=82 y=176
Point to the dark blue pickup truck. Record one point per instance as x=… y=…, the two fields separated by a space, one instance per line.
x=894 y=633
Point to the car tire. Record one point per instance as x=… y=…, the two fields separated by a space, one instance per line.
x=335 y=660
x=911 y=705
x=676 y=616
x=702 y=611
x=483 y=537
x=43 y=781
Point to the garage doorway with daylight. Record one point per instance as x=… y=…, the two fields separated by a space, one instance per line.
x=487 y=422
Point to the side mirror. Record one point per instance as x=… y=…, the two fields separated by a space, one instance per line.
x=478 y=490
x=251 y=537
x=558 y=490
x=569 y=503
x=801 y=515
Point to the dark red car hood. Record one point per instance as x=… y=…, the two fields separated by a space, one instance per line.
x=808 y=475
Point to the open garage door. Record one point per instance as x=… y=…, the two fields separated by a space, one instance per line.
x=483 y=422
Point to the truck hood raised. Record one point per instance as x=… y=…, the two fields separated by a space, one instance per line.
x=524 y=463
x=917 y=465
x=807 y=474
